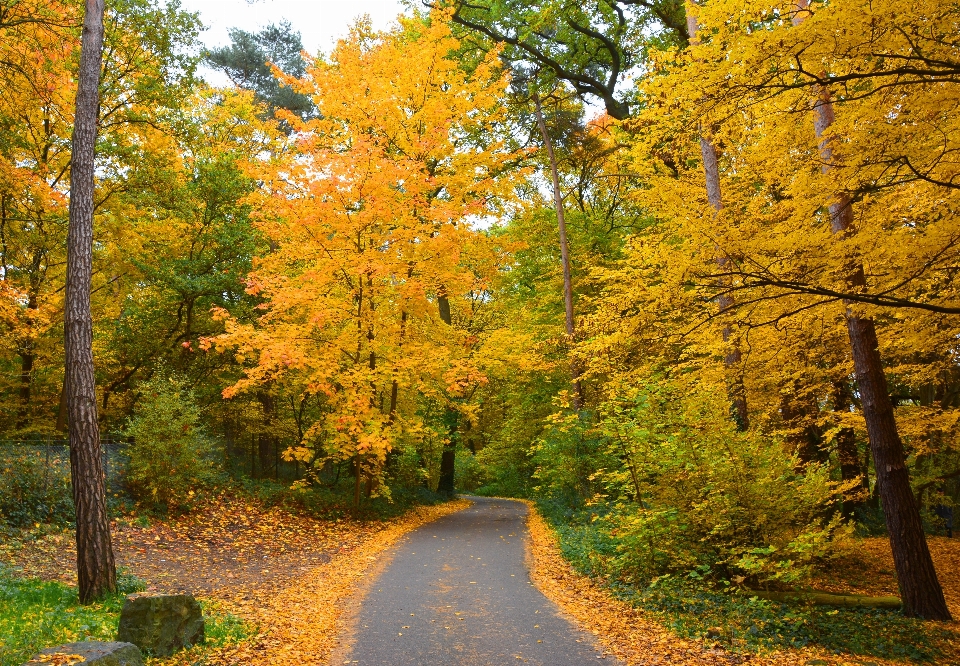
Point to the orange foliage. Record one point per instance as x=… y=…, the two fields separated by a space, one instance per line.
x=369 y=216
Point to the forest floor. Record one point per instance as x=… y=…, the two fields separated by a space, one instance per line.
x=290 y=578
x=869 y=570
x=639 y=637
x=285 y=576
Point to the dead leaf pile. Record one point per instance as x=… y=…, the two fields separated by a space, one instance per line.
x=868 y=569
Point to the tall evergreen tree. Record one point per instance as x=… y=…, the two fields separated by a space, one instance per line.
x=247 y=62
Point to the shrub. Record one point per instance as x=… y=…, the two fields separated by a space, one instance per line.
x=469 y=474
x=170 y=456
x=35 y=487
x=681 y=492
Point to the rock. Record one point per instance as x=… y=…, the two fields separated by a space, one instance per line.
x=94 y=653
x=161 y=624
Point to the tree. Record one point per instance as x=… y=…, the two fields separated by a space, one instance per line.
x=569 y=321
x=922 y=594
x=590 y=46
x=96 y=571
x=248 y=60
x=368 y=214
x=801 y=211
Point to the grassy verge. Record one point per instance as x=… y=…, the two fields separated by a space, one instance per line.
x=692 y=609
x=35 y=614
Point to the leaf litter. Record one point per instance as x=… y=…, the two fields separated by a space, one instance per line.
x=287 y=576
x=637 y=637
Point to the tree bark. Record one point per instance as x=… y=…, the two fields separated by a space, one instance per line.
x=711 y=171
x=448 y=458
x=917 y=577
x=26 y=382
x=569 y=321
x=96 y=570
x=266 y=440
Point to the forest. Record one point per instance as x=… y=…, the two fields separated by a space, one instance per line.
x=679 y=272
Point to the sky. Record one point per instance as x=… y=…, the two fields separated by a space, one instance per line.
x=320 y=22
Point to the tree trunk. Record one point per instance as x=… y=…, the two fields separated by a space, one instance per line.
x=711 y=171
x=96 y=571
x=919 y=587
x=448 y=459
x=357 y=473
x=570 y=323
x=266 y=439
x=26 y=380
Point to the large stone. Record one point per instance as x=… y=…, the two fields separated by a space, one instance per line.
x=90 y=653
x=161 y=624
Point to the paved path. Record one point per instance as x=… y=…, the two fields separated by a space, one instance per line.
x=457 y=593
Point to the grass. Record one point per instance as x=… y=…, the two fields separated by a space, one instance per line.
x=692 y=609
x=35 y=614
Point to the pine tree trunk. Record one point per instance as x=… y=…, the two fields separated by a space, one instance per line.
x=919 y=587
x=96 y=571
x=711 y=173
x=569 y=321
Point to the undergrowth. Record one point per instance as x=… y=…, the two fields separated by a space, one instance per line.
x=332 y=503
x=694 y=607
x=35 y=614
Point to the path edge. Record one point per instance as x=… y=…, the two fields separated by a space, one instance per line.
x=346 y=623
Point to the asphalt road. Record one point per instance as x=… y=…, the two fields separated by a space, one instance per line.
x=457 y=592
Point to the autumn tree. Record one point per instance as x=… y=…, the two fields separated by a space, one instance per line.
x=785 y=253
x=369 y=213
x=96 y=571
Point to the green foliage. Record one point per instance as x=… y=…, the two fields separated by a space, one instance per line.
x=468 y=475
x=35 y=614
x=589 y=44
x=335 y=501
x=33 y=488
x=680 y=491
x=170 y=455
x=246 y=60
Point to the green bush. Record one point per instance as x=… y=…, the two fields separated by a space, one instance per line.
x=679 y=491
x=170 y=455
x=34 y=488
x=468 y=473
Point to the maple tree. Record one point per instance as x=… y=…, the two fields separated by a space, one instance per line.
x=368 y=214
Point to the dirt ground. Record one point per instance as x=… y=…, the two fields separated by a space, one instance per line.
x=229 y=545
